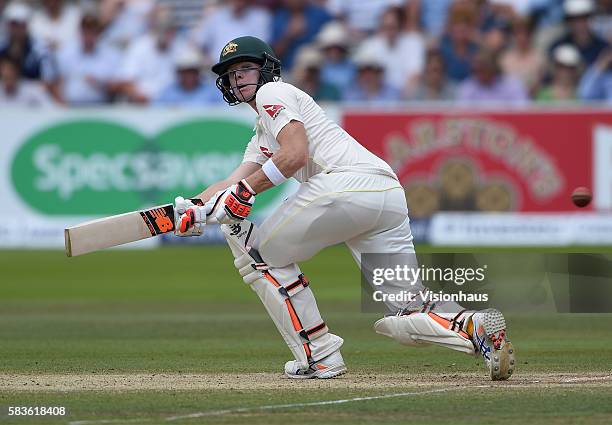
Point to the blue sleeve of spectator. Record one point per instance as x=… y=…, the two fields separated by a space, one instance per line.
x=279 y=25
x=324 y=16
x=591 y=85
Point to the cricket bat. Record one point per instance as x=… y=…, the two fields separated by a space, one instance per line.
x=119 y=229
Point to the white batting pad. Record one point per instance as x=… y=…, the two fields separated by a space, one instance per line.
x=286 y=296
x=417 y=329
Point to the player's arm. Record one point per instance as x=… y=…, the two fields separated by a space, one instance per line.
x=292 y=155
x=235 y=202
x=242 y=171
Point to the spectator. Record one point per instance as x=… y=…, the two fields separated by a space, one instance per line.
x=124 y=20
x=234 y=19
x=86 y=66
x=546 y=13
x=522 y=60
x=432 y=15
x=601 y=23
x=596 y=83
x=269 y=4
x=307 y=75
x=566 y=71
x=361 y=17
x=404 y=51
x=495 y=18
x=565 y=75
x=512 y=8
x=15 y=91
x=489 y=85
x=549 y=23
x=56 y=23
x=458 y=44
x=148 y=64
x=432 y=84
x=295 y=24
x=577 y=15
x=189 y=89
x=337 y=69
x=369 y=85
x=35 y=62
x=187 y=13
x=3 y=23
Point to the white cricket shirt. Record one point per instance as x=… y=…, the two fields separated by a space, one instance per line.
x=330 y=148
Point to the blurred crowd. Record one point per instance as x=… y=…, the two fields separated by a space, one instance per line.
x=159 y=52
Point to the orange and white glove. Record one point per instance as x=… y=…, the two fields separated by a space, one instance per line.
x=233 y=204
x=189 y=216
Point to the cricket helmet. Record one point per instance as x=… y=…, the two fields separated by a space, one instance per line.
x=246 y=49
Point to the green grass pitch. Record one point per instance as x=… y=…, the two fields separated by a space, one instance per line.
x=174 y=336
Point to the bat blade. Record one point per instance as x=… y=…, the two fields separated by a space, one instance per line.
x=118 y=230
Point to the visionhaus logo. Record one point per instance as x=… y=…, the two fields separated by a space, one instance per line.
x=91 y=167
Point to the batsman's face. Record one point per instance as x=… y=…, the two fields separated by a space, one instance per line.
x=243 y=79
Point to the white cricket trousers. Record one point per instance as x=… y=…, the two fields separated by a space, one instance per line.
x=368 y=212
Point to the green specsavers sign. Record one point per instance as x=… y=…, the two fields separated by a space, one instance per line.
x=104 y=166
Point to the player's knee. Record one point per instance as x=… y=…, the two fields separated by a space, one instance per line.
x=275 y=255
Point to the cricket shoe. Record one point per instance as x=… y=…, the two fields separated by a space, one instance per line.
x=328 y=367
x=488 y=331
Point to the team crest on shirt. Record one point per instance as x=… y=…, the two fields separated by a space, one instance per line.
x=273 y=110
x=266 y=151
x=229 y=48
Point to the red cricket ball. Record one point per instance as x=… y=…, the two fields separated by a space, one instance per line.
x=581 y=197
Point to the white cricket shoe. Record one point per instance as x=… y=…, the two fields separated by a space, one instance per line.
x=490 y=340
x=328 y=367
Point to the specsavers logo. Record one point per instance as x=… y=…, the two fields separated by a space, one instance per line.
x=100 y=167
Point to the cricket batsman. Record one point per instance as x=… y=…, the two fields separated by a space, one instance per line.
x=346 y=194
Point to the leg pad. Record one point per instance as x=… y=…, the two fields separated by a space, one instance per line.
x=286 y=295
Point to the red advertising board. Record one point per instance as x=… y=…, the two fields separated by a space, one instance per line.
x=529 y=160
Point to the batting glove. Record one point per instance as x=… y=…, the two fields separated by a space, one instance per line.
x=190 y=216
x=234 y=203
